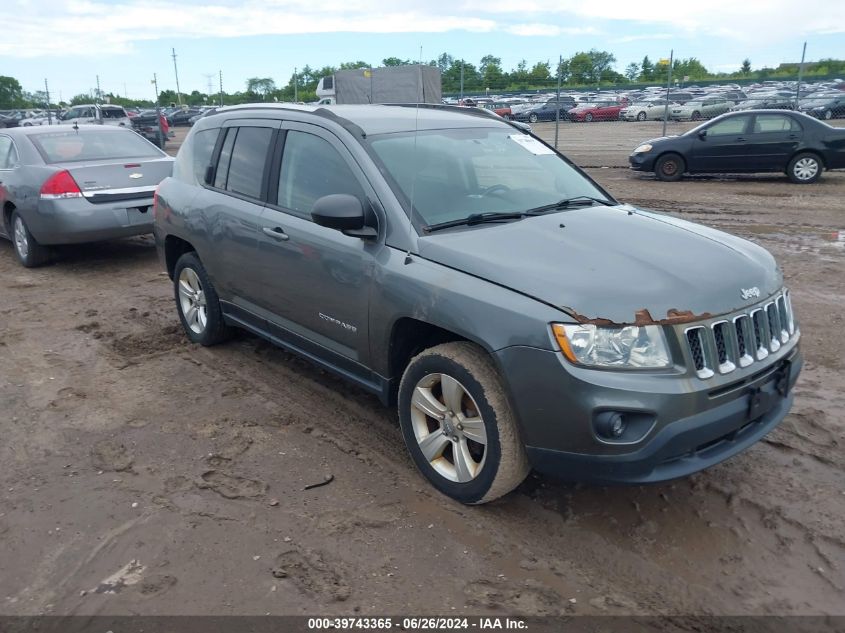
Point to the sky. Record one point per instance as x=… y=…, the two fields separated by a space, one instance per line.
x=126 y=42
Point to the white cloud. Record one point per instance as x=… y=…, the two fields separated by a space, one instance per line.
x=40 y=28
x=538 y=29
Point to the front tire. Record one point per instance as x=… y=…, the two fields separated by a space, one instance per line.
x=458 y=424
x=588 y=117
x=532 y=118
x=641 y=116
x=197 y=302
x=804 y=169
x=29 y=252
x=669 y=167
x=695 y=116
x=828 y=115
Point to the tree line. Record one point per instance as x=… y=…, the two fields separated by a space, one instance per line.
x=584 y=69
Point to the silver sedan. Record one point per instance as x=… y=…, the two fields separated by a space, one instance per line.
x=61 y=185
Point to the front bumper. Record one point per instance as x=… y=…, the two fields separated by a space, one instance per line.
x=691 y=425
x=642 y=162
x=75 y=220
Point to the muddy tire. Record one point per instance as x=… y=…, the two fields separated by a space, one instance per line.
x=804 y=168
x=669 y=167
x=29 y=252
x=197 y=302
x=458 y=424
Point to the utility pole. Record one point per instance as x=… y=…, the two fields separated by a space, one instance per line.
x=295 y=86
x=99 y=93
x=462 y=80
x=47 y=92
x=158 y=115
x=557 y=101
x=176 y=72
x=221 y=88
x=668 y=87
x=800 y=76
x=125 y=92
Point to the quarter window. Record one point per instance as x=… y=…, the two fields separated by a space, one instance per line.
x=311 y=169
x=225 y=157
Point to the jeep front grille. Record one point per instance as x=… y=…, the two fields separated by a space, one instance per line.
x=741 y=339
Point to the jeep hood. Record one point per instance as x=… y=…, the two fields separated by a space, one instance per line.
x=613 y=265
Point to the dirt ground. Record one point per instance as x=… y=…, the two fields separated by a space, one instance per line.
x=144 y=475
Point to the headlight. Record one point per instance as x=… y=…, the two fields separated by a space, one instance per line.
x=645 y=147
x=630 y=347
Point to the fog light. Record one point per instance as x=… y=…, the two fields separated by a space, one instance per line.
x=610 y=424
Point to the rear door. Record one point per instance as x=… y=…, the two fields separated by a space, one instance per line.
x=724 y=147
x=773 y=140
x=232 y=204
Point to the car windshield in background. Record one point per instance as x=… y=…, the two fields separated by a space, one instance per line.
x=113 y=113
x=86 y=145
x=451 y=174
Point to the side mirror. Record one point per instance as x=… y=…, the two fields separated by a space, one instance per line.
x=702 y=134
x=344 y=213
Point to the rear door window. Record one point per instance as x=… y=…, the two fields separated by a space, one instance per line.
x=249 y=160
x=6 y=152
x=775 y=123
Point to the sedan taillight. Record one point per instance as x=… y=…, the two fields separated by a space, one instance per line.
x=59 y=186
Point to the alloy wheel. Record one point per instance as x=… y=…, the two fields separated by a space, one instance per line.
x=192 y=300
x=448 y=427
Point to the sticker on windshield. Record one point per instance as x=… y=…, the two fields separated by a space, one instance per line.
x=531 y=144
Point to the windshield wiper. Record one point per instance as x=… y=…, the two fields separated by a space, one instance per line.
x=575 y=201
x=476 y=218
x=495 y=216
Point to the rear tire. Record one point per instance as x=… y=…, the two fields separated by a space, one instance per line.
x=458 y=424
x=669 y=167
x=29 y=252
x=804 y=169
x=197 y=302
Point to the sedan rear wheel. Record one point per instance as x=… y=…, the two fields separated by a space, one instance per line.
x=30 y=253
x=804 y=169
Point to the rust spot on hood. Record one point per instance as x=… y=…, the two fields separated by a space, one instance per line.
x=643 y=317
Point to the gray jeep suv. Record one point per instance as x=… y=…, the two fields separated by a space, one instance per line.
x=516 y=314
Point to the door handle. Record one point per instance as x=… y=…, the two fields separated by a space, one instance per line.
x=277 y=233
x=740 y=139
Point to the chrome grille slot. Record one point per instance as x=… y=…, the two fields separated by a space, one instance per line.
x=698 y=350
x=725 y=346
x=784 y=319
x=761 y=333
x=773 y=323
x=790 y=315
x=744 y=338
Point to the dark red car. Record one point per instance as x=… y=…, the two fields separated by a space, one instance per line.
x=597 y=111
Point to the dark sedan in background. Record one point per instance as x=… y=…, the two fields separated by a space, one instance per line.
x=758 y=141
x=547 y=111
x=66 y=186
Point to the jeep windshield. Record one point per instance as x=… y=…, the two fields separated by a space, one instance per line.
x=452 y=174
